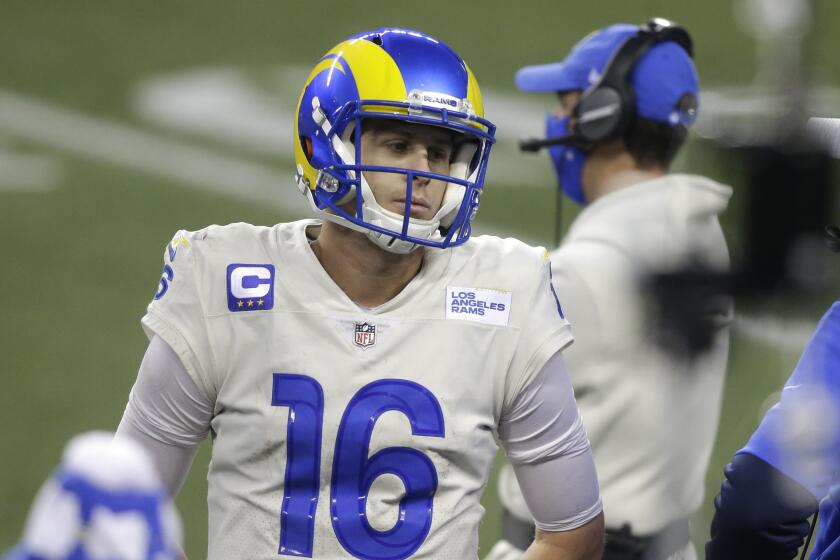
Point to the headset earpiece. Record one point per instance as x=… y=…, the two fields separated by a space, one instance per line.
x=607 y=109
x=600 y=114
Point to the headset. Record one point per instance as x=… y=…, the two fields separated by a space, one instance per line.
x=607 y=109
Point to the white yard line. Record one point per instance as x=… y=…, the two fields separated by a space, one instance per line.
x=109 y=141
x=218 y=103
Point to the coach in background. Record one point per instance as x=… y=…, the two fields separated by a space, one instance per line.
x=791 y=461
x=626 y=97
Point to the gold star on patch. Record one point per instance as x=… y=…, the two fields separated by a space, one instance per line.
x=260 y=302
x=239 y=303
x=250 y=303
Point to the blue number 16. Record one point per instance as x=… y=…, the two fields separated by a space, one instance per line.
x=353 y=471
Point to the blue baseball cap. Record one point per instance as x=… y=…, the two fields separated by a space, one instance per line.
x=661 y=79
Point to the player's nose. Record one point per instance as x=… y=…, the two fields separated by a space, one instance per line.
x=420 y=162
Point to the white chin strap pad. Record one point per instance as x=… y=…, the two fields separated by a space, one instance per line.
x=376 y=215
x=455 y=193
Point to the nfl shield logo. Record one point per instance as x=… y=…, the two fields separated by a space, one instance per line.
x=365 y=335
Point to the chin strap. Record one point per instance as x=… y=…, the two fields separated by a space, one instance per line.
x=375 y=214
x=420 y=229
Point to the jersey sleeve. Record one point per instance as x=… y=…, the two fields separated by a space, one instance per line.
x=800 y=436
x=544 y=331
x=176 y=313
x=759 y=513
x=546 y=443
x=544 y=422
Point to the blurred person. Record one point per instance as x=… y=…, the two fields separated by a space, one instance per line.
x=104 y=502
x=790 y=467
x=355 y=371
x=626 y=98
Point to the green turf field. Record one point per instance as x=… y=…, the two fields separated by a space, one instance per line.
x=96 y=175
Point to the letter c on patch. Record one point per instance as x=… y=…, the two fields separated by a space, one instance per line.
x=250 y=282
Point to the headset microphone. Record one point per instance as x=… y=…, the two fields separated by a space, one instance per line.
x=536 y=144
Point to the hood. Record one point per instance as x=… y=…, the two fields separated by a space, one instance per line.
x=667 y=219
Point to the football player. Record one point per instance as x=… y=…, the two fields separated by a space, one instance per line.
x=626 y=95
x=104 y=502
x=356 y=370
x=788 y=468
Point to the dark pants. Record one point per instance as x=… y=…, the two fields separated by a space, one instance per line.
x=622 y=544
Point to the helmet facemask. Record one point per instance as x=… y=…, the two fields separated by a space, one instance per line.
x=392 y=231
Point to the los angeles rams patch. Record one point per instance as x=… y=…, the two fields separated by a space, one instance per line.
x=250 y=287
x=478 y=304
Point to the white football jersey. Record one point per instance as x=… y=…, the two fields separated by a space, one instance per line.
x=344 y=432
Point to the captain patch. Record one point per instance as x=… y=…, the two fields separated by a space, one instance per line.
x=478 y=304
x=250 y=287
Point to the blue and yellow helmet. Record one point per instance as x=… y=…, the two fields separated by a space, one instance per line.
x=403 y=75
